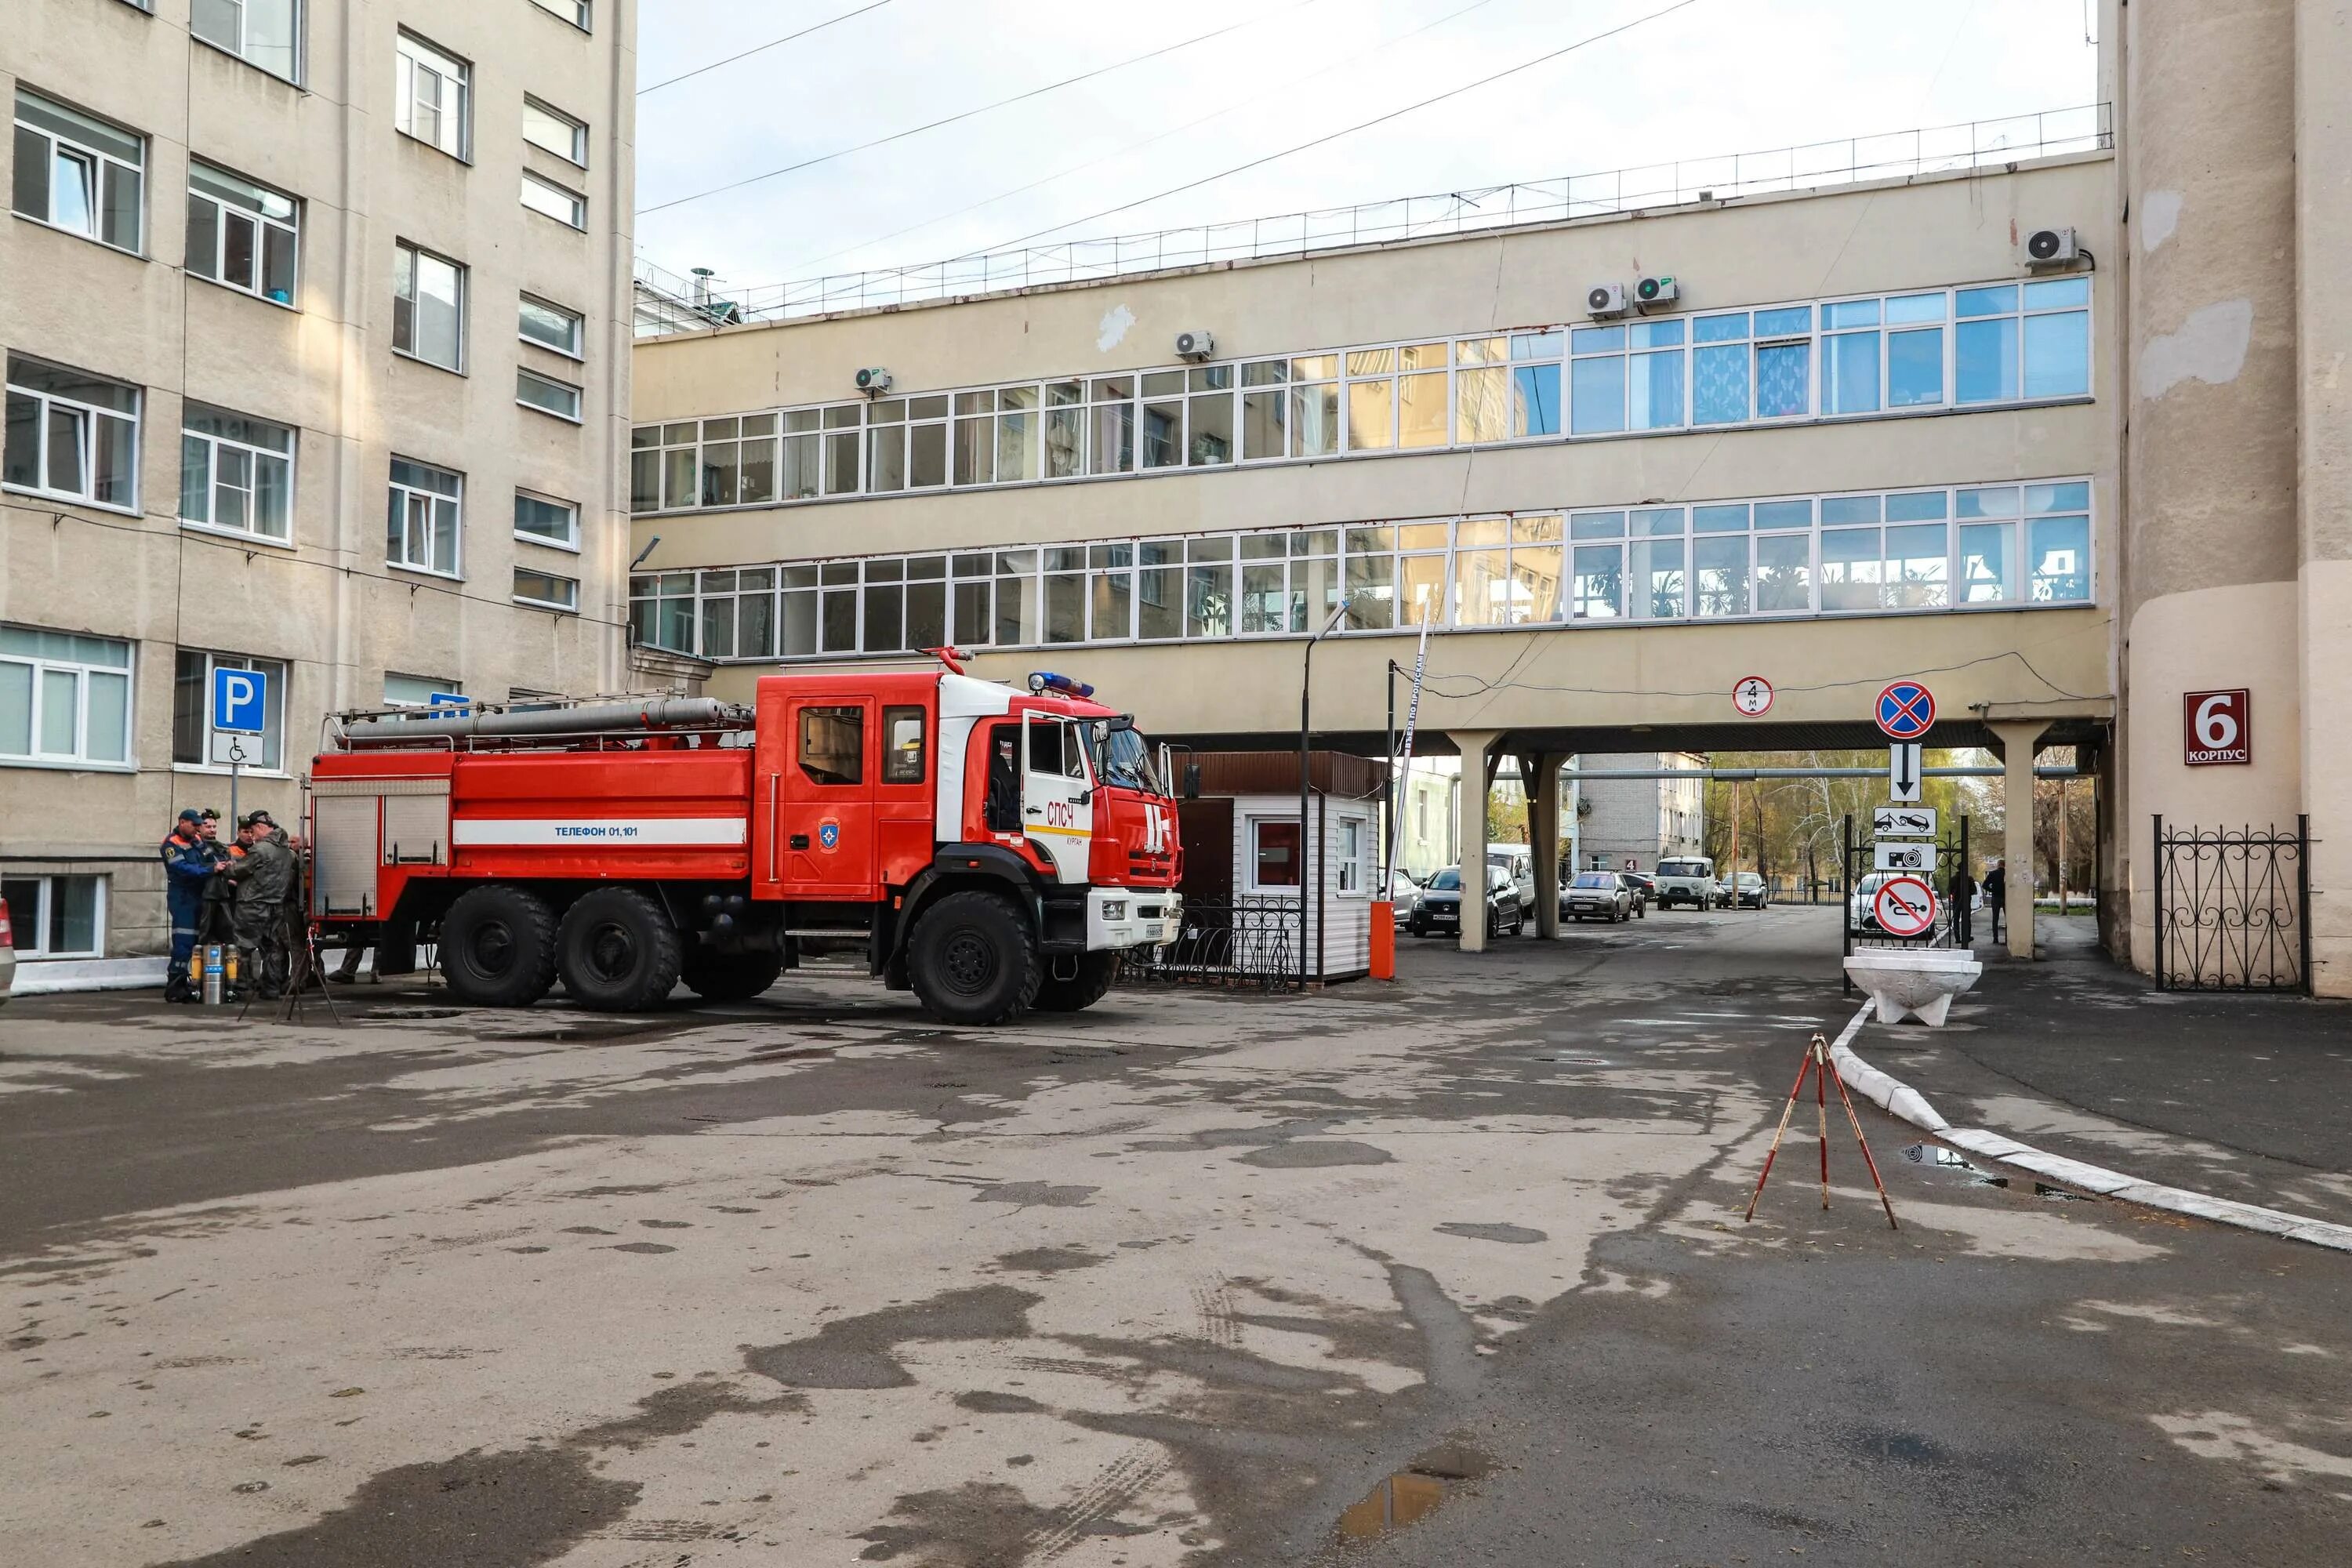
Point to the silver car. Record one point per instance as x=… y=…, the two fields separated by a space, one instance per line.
x=1598 y=895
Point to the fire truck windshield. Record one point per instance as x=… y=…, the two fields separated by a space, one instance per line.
x=1123 y=759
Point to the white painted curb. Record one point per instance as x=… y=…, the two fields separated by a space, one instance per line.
x=1900 y=1100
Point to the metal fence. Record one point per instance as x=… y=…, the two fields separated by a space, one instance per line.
x=669 y=303
x=2234 y=908
x=1240 y=943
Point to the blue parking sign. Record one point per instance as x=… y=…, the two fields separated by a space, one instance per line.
x=241 y=697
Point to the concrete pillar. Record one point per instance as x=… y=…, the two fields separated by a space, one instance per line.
x=1541 y=771
x=1477 y=749
x=2019 y=739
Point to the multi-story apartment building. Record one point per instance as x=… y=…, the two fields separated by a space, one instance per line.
x=316 y=318
x=1629 y=824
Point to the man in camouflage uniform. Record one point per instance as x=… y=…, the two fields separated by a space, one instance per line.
x=262 y=878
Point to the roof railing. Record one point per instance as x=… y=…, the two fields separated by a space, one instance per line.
x=668 y=303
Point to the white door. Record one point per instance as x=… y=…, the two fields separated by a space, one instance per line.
x=1057 y=795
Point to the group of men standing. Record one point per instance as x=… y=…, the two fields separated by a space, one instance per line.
x=248 y=893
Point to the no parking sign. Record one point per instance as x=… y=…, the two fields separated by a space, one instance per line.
x=1906 y=906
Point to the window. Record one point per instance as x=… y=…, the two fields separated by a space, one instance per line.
x=832 y=745
x=1274 y=852
x=71 y=435
x=264 y=33
x=64 y=698
x=2022 y=340
x=1354 y=853
x=539 y=520
x=421 y=520
x=79 y=175
x=419 y=691
x=546 y=196
x=551 y=326
x=241 y=234
x=556 y=131
x=547 y=395
x=236 y=473
x=430 y=96
x=572 y=11
x=902 y=739
x=428 y=307
x=55 y=917
x=546 y=591
x=192 y=714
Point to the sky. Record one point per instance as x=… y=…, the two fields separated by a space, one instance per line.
x=1710 y=77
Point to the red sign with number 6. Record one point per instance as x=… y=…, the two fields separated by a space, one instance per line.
x=2220 y=728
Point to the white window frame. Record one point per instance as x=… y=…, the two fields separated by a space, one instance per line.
x=280 y=673
x=416 y=254
x=298 y=18
x=571 y=509
x=255 y=456
x=577 y=153
x=408 y=496
x=1251 y=827
x=571 y=608
x=428 y=684
x=291 y=226
x=523 y=375
x=99 y=161
x=555 y=193
x=80 y=759
x=417 y=61
x=579 y=13
x=578 y=348
x=38 y=920
x=1352 y=864
x=90 y=414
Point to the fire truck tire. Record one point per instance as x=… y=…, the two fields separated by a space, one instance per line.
x=497 y=946
x=974 y=959
x=618 y=951
x=729 y=977
x=1080 y=991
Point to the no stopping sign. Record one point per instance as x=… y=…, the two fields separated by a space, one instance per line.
x=1906 y=906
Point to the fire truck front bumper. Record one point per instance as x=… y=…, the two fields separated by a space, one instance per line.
x=1132 y=917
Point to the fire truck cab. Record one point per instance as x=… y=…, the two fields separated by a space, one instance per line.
x=990 y=848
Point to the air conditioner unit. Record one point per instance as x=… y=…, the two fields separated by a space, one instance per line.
x=1651 y=292
x=874 y=381
x=1195 y=345
x=2052 y=247
x=1605 y=299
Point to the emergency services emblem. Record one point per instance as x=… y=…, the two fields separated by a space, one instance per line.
x=828 y=834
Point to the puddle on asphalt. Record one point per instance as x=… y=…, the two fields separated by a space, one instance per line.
x=413 y=1012
x=1936 y=1157
x=1412 y=1493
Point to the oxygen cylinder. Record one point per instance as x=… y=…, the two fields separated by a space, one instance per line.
x=215 y=978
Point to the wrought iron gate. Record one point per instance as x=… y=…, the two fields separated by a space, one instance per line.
x=1954 y=924
x=1238 y=943
x=2234 y=908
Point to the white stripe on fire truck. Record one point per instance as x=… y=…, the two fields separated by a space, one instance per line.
x=667 y=832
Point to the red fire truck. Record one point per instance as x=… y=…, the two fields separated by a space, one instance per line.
x=992 y=850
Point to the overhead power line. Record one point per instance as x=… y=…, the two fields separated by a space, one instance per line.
x=761 y=48
x=969 y=113
x=1351 y=129
x=1242 y=102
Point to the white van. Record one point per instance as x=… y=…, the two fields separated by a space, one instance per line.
x=1687 y=880
x=1519 y=860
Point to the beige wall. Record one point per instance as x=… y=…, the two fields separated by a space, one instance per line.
x=328 y=605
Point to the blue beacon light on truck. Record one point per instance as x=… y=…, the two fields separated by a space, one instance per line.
x=1046 y=681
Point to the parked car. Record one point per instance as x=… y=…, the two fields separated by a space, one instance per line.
x=1519 y=861
x=8 y=953
x=1598 y=895
x=1440 y=908
x=1687 y=880
x=1404 y=897
x=1741 y=890
x=1862 y=904
x=1644 y=889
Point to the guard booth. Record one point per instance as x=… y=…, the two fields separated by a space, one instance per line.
x=1258 y=891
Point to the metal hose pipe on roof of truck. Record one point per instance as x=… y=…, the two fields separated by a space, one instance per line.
x=663 y=713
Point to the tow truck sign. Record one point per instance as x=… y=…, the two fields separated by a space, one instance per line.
x=1906 y=906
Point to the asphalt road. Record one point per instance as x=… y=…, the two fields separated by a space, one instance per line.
x=1446 y=1272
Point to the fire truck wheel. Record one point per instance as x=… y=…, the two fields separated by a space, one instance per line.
x=497 y=946
x=974 y=959
x=1080 y=991
x=729 y=977
x=618 y=951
